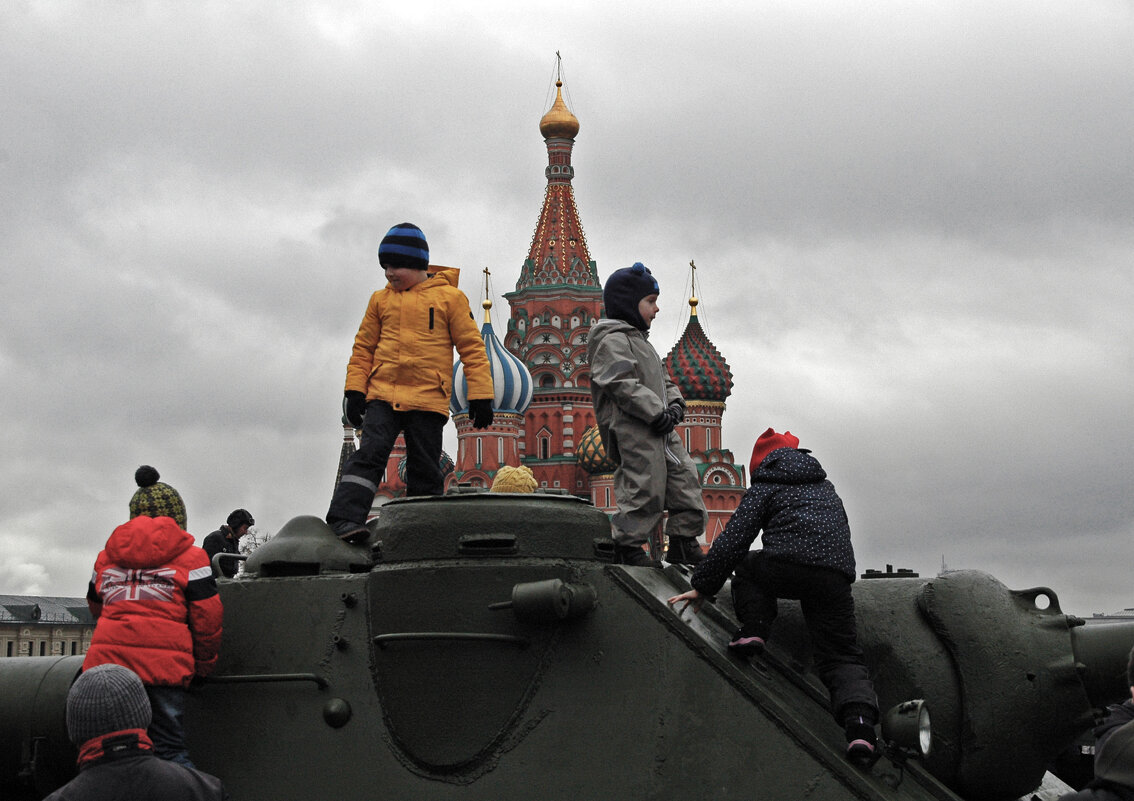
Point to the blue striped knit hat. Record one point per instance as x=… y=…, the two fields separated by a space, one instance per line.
x=404 y=245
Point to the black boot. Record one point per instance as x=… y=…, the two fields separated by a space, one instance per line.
x=684 y=551
x=352 y=533
x=862 y=743
x=634 y=556
x=746 y=644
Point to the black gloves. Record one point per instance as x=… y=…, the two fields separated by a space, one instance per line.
x=668 y=420
x=354 y=407
x=480 y=412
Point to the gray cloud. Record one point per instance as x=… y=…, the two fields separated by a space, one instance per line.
x=912 y=227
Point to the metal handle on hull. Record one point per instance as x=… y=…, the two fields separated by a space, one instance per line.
x=382 y=639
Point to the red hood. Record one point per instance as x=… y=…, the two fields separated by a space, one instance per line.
x=147 y=542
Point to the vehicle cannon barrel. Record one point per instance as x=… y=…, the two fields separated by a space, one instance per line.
x=1009 y=679
x=35 y=752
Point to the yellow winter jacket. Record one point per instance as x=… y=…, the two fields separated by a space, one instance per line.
x=403 y=352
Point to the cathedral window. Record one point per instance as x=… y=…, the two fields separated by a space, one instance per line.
x=479 y=451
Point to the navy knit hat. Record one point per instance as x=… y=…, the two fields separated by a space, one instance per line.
x=103 y=699
x=155 y=499
x=624 y=290
x=404 y=245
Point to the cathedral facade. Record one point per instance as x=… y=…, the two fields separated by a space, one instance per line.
x=557 y=298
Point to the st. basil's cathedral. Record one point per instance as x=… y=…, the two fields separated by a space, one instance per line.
x=543 y=413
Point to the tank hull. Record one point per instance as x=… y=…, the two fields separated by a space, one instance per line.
x=485 y=647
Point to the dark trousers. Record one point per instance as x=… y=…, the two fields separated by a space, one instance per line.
x=825 y=599
x=167 y=705
x=363 y=471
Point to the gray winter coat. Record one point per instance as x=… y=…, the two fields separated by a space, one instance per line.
x=629 y=384
x=630 y=388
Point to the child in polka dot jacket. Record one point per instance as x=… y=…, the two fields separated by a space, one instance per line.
x=807 y=556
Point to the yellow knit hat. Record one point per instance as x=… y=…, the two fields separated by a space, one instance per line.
x=514 y=479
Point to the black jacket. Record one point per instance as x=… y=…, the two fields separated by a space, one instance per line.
x=124 y=769
x=220 y=542
x=801 y=515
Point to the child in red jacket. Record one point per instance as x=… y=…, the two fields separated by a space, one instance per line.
x=156 y=608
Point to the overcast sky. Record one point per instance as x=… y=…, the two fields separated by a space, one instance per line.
x=913 y=226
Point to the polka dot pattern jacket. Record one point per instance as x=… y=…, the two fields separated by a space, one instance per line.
x=801 y=515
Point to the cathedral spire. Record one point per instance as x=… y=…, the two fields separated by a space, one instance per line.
x=558 y=254
x=694 y=363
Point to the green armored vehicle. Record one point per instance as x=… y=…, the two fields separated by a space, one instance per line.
x=483 y=646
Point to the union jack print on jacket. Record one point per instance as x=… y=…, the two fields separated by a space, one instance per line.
x=155 y=601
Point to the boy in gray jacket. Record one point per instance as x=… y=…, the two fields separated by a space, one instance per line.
x=637 y=406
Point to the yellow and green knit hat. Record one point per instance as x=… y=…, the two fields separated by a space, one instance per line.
x=155 y=499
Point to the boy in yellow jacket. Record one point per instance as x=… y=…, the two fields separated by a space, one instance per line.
x=399 y=377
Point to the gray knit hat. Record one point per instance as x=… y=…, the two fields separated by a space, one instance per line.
x=103 y=699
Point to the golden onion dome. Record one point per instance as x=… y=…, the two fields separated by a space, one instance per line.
x=559 y=122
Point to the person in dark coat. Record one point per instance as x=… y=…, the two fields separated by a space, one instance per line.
x=1114 y=768
x=1117 y=714
x=807 y=556
x=226 y=539
x=107 y=716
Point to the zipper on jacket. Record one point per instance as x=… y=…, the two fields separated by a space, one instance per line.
x=430 y=318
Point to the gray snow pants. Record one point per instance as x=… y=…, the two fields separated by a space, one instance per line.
x=656 y=475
